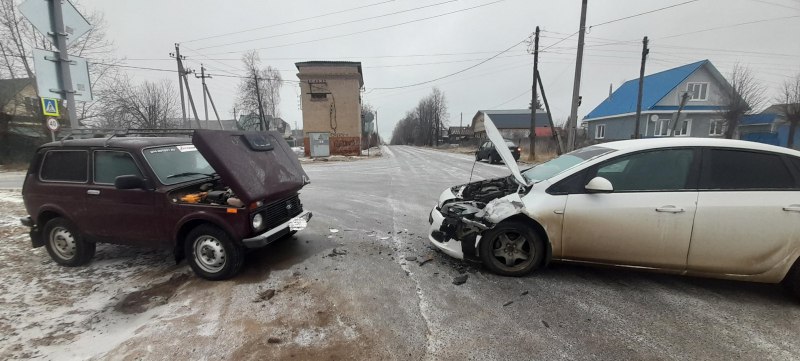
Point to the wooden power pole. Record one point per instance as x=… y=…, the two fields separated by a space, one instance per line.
x=532 y=135
x=636 y=127
x=572 y=122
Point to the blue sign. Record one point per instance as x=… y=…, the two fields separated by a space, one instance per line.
x=50 y=107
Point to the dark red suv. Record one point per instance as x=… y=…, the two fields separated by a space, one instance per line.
x=207 y=197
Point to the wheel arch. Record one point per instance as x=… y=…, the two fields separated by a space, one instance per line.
x=537 y=228
x=187 y=226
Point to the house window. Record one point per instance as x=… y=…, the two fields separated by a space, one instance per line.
x=662 y=128
x=697 y=91
x=716 y=127
x=600 y=131
x=684 y=127
x=319 y=96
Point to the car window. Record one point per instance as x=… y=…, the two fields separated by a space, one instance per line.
x=744 y=170
x=796 y=162
x=108 y=165
x=177 y=163
x=660 y=170
x=510 y=143
x=65 y=166
x=555 y=166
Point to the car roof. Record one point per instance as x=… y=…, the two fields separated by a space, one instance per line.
x=648 y=143
x=132 y=143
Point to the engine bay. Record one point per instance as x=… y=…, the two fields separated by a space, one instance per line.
x=210 y=193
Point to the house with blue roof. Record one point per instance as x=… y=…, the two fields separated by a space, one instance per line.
x=615 y=117
x=769 y=127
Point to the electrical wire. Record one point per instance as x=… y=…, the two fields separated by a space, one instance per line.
x=640 y=14
x=289 y=22
x=329 y=26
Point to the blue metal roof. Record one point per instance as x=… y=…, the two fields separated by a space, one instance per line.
x=656 y=86
x=755 y=119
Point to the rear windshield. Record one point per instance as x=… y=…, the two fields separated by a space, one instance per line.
x=555 y=166
x=178 y=163
x=510 y=143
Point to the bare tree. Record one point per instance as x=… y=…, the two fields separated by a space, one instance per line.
x=147 y=105
x=260 y=92
x=744 y=96
x=789 y=100
x=423 y=124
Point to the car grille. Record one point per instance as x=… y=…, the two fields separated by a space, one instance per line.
x=282 y=211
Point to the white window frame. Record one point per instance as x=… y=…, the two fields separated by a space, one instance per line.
x=678 y=129
x=598 y=129
x=661 y=129
x=696 y=97
x=716 y=124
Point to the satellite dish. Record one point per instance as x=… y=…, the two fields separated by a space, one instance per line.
x=654 y=118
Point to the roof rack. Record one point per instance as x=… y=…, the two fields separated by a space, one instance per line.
x=118 y=132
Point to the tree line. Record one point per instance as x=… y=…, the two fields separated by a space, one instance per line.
x=423 y=124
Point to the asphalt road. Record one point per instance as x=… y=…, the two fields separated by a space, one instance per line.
x=12 y=180
x=351 y=286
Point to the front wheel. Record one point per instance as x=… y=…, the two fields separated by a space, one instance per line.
x=212 y=254
x=66 y=245
x=511 y=249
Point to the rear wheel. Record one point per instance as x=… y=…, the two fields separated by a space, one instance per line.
x=511 y=249
x=494 y=159
x=792 y=282
x=65 y=244
x=212 y=254
x=477 y=157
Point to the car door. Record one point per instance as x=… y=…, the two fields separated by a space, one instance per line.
x=483 y=151
x=748 y=212
x=63 y=178
x=646 y=220
x=124 y=216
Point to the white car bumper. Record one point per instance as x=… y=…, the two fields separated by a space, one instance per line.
x=452 y=247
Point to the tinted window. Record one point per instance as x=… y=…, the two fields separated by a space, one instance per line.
x=109 y=165
x=735 y=169
x=661 y=170
x=796 y=162
x=555 y=166
x=65 y=166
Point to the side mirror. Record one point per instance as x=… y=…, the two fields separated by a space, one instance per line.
x=599 y=185
x=129 y=182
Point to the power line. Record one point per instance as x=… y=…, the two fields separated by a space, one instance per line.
x=454 y=73
x=640 y=14
x=289 y=22
x=512 y=99
x=369 y=30
x=776 y=4
x=329 y=26
x=730 y=26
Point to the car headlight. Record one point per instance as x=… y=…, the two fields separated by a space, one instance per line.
x=258 y=221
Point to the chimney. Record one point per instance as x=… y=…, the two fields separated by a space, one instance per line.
x=610 y=88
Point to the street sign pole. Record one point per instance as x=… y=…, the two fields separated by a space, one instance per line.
x=66 y=80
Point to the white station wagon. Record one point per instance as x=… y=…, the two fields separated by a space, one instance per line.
x=706 y=207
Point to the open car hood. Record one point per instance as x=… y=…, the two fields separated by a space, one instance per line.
x=502 y=149
x=257 y=166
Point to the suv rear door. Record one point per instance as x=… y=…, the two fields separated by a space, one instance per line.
x=59 y=184
x=744 y=223
x=123 y=216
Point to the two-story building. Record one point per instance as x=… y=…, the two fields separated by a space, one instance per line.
x=662 y=94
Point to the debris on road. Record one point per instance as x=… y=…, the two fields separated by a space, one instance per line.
x=524 y=293
x=265 y=295
x=545 y=324
x=333 y=230
x=335 y=252
x=411 y=258
x=273 y=340
x=460 y=280
x=424 y=261
x=508 y=303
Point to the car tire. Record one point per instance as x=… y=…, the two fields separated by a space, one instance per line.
x=212 y=254
x=792 y=282
x=511 y=249
x=477 y=157
x=494 y=159
x=65 y=244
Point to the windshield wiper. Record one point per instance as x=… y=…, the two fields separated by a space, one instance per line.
x=184 y=174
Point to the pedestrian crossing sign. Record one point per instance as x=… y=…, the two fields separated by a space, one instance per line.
x=50 y=107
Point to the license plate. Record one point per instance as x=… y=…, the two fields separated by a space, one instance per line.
x=297 y=224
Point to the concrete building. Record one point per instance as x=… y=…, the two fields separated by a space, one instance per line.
x=331 y=103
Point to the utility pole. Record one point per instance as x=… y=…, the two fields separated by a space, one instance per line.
x=189 y=93
x=63 y=59
x=376 y=128
x=461 y=122
x=178 y=58
x=636 y=127
x=532 y=135
x=576 y=87
x=221 y=127
x=203 y=77
x=260 y=107
x=556 y=136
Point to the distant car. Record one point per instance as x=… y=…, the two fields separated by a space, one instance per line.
x=691 y=206
x=206 y=198
x=488 y=151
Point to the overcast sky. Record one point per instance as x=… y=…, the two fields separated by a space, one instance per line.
x=145 y=31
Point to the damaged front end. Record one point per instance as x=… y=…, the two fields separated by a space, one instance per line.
x=464 y=212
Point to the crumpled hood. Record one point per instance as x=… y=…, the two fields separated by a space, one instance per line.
x=502 y=149
x=257 y=166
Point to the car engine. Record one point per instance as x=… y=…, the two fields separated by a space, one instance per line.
x=215 y=194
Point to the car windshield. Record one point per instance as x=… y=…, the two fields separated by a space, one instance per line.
x=510 y=143
x=556 y=166
x=178 y=163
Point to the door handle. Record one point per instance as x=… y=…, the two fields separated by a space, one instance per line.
x=669 y=209
x=792 y=208
x=93 y=192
